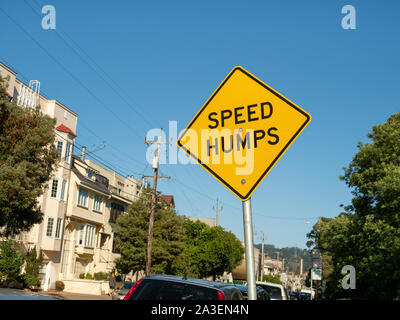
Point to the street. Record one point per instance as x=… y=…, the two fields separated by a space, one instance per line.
x=75 y=296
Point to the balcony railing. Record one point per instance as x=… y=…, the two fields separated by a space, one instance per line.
x=29 y=96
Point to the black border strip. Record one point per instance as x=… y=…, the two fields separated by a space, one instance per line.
x=308 y=118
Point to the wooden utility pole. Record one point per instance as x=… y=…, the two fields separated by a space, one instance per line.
x=319 y=232
x=153 y=202
x=301 y=266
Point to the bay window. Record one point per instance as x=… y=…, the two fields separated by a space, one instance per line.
x=86 y=235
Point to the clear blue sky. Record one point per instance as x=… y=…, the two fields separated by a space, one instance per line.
x=129 y=66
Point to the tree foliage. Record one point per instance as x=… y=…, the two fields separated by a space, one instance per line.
x=271 y=278
x=27 y=158
x=209 y=251
x=180 y=246
x=132 y=235
x=367 y=234
x=374 y=174
x=32 y=267
x=11 y=260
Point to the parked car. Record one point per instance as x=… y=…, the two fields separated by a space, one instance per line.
x=261 y=293
x=307 y=293
x=17 y=294
x=165 y=287
x=293 y=295
x=276 y=291
x=121 y=292
x=304 y=296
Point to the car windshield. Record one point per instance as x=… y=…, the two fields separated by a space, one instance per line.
x=274 y=292
x=305 y=295
x=168 y=290
x=262 y=294
x=127 y=285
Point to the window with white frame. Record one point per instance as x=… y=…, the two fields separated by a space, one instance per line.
x=58 y=228
x=54 y=188
x=80 y=234
x=86 y=235
x=49 y=229
x=67 y=152
x=59 y=148
x=63 y=186
x=98 y=203
x=89 y=237
x=83 y=197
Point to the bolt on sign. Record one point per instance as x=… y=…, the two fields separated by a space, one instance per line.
x=242 y=131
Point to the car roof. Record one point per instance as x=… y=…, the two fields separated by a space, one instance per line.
x=270 y=284
x=201 y=282
x=17 y=294
x=243 y=288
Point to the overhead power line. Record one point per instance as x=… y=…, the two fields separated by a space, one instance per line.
x=90 y=66
x=100 y=101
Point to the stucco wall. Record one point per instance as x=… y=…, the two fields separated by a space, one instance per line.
x=86 y=286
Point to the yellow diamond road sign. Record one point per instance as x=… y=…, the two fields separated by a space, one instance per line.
x=242 y=131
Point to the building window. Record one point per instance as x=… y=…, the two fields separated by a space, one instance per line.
x=59 y=148
x=98 y=202
x=49 y=230
x=116 y=210
x=63 y=185
x=54 y=187
x=58 y=228
x=67 y=152
x=114 y=244
x=89 y=237
x=80 y=234
x=86 y=235
x=83 y=197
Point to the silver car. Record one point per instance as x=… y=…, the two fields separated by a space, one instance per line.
x=276 y=291
x=17 y=294
x=121 y=292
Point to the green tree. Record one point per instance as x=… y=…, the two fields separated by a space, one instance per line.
x=11 y=261
x=209 y=251
x=374 y=174
x=367 y=234
x=272 y=279
x=27 y=158
x=32 y=267
x=132 y=234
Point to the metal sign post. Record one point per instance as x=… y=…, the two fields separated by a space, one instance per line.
x=249 y=250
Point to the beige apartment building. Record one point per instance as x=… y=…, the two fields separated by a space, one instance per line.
x=48 y=234
x=96 y=198
x=80 y=203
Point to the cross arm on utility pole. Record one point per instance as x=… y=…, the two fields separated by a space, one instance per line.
x=158 y=141
x=158 y=177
